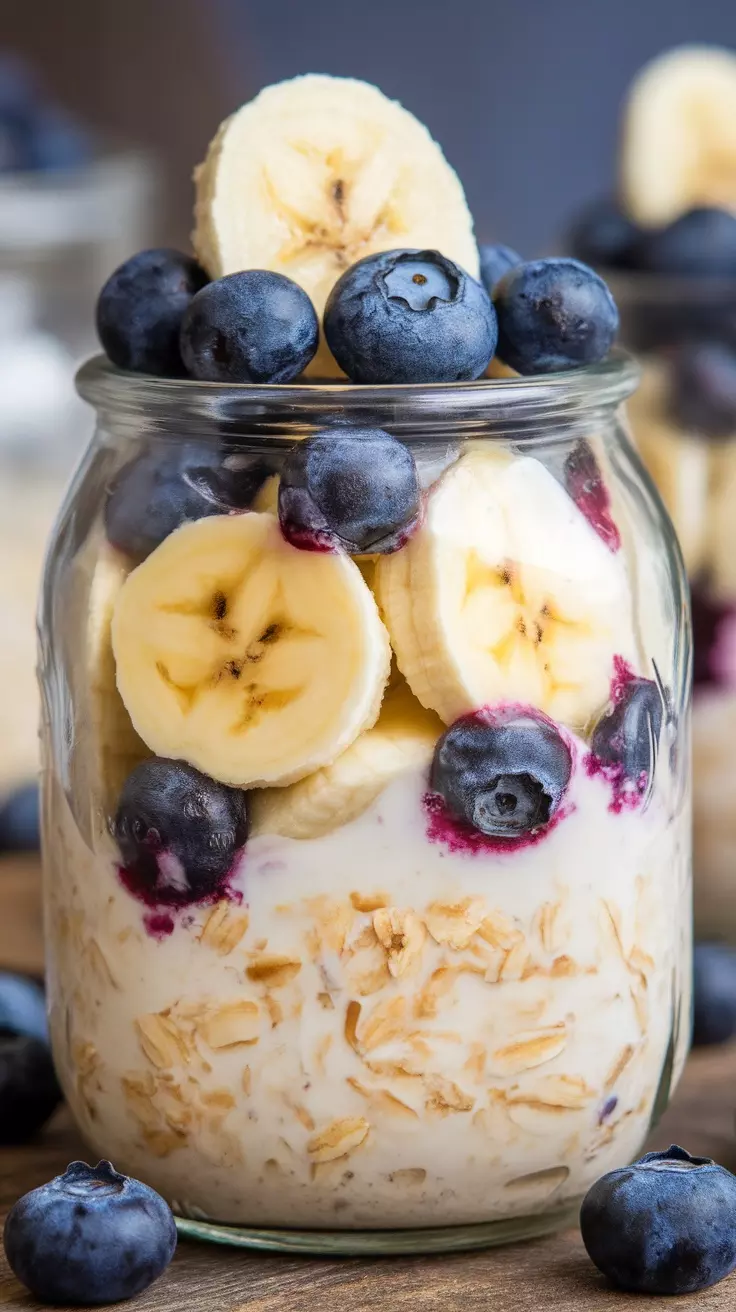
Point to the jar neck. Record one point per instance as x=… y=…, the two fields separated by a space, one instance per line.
x=517 y=408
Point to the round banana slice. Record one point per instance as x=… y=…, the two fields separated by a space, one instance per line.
x=254 y=661
x=679 y=135
x=402 y=740
x=506 y=593
x=316 y=173
x=678 y=463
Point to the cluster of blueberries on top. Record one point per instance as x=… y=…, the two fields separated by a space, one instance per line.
x=35 y=136
x=401 y=316
x=693 y=322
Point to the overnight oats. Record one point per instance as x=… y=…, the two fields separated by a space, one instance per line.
x=366 y=716
x=668 y=249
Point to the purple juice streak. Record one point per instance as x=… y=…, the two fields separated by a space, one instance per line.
x=626 y=794
x=305 y=539
x=622 y=676
x=460 y=837
x=607 y=1109
x=160 y=922
x=585 y=484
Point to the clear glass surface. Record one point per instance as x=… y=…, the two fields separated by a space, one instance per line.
x=386 y=1032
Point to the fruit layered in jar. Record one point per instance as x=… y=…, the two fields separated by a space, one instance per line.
x=367 y=866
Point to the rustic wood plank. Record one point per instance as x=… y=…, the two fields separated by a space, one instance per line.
x=21 y=933
x=553 y=1274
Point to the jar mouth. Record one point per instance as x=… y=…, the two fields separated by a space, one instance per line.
x=417 y=409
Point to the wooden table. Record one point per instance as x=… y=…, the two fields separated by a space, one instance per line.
x=549 y=1275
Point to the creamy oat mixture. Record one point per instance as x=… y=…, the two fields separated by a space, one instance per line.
x=382 y=1032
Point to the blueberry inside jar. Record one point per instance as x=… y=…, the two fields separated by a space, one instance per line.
x=337 y=904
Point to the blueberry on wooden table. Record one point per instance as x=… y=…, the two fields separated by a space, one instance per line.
x=90 y=1236
x=29 y=1090
x=665 y=1225
x=714 y=994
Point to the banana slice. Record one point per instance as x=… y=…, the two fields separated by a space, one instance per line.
x=506 y=593
x=106 y=746
x=267 y=496
x=679 y=135
x=254 y=661
x=316 y=173
x=402 y=739
x=679 y=465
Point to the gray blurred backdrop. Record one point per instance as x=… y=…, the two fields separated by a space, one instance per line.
x=524 y=95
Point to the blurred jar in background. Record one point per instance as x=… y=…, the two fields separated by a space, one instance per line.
x=668 y=246
x=69 y=213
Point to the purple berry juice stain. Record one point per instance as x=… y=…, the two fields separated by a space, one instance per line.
x=585 y=484
x=607 y=1109
x=169 y=904
x=460 y=837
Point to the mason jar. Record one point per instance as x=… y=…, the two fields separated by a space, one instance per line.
x=367 y=875
x=683 y=421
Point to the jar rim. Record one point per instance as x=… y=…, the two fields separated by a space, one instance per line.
x=187 y=404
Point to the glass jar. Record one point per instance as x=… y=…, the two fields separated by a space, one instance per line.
x=684 y=424
x=61 y=234
x=444 y=985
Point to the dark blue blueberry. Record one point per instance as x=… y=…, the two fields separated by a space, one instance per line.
x=553 y=314
x=666 y=1225
x=701 y=243
x=29 y=1091
x=714 y=993
x=90 y=1236
x=410 y=317
x=251 y=327
x=504 y=771
x=627 y=734
x=173 y=483
x=178 y=832
x=22 y=1006
x=354 y=488
x=604 y=237
x=495 y=261
x=20 y=820
x=702 y=389
x=141 y=307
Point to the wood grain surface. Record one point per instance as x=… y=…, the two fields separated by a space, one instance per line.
x=549 y=1275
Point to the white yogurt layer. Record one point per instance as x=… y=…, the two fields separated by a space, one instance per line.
x=384 y=1033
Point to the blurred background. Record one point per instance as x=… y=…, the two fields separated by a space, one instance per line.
x=524 y=97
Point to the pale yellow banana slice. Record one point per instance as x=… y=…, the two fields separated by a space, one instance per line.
x=402 y=740
x=106 y=746
x=679 y=135
x=506 y=593
x=316 y=173
x=678 y=463
x=267 y=496
x=254 y=661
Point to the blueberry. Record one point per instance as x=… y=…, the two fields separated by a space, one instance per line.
x=700 y=243
x=90 y=1236
x=20 y=820
x=29 y=1091
x=140 y=309
x=714 y=993
x=354 y=488
x=171 y=484
x=178 y=831
x=22 y=1006
x=503 y=770
x=553 y=314
x=251 y=327
x=495 y=261
x=665 y=1225
x=604 y=237
x=410 y=317
x=627 y=734
x=702 y=389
